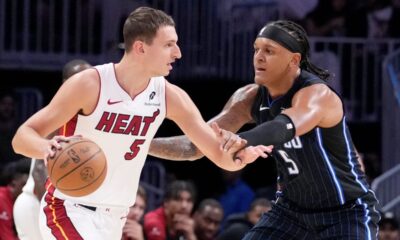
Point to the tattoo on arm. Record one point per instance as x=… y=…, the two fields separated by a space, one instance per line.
x=177 y=148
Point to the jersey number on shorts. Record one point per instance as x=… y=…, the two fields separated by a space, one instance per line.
x=135 y=148
x=292 y=167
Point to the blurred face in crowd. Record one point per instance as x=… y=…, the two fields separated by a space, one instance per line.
x=208 y=222
x=137 y=210
x=255 y=214
x=388 y=232
x=7 y=107
x=182 y=204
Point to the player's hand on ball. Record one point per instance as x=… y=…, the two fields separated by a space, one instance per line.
x=54 y=145
x=230 y=142
x=251 y=153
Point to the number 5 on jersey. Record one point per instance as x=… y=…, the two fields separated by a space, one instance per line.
x=135 y=148
x=292 y=167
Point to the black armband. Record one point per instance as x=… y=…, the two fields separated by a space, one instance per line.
x=278 y=131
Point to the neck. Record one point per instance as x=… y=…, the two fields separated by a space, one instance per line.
x=282 y=86
x=132 y=75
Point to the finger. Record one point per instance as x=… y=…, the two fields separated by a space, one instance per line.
x=229 y=144
x=267 y=149
x=217 y=129
x=46 y=156
x=238 y=161
x=235 y=144
x=261 y=153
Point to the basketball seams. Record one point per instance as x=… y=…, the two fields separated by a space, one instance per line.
x=65 y=149
x=72 y=170
x=95 y=180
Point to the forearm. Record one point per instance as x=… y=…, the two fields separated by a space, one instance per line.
x=275 y=132
x=29 y=143
x=178 y=148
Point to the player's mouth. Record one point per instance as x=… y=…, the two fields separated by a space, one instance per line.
x=170 y=65
x=259 y=70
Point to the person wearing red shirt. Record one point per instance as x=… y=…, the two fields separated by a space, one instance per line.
x=15 y=175
x=172 y=221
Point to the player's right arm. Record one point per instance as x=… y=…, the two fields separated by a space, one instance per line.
x=233 y=116
x=79 y=94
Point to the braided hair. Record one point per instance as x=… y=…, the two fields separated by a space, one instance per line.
x=298 y=33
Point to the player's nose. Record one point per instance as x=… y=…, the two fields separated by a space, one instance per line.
x=177 y=53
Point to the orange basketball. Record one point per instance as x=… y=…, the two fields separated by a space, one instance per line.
x=79 y=168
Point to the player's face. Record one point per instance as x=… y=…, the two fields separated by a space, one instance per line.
x=271 y=62
x=163 y=51
x=136 y=211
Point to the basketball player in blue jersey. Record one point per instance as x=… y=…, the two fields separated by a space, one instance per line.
x=120 y=107
x=323 y=194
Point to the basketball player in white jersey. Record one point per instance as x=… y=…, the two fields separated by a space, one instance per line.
x=120 y=107
x=26 y=207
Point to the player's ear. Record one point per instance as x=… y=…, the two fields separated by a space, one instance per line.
x=138 y=47
x=296 y=58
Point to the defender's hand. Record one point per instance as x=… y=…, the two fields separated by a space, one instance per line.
x=251 y=153
x=230 y=142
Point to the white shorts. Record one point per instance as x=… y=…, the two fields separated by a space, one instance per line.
x=63 y=219
x=26 y=216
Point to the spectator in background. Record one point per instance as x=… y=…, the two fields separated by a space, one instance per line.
x=389 y=228
x=328 y=18
x=207 y=219
x=14 y=175
x=74 y=66
x=173 y=219
x=237 y=196
x=133 y=229
x=238 y=224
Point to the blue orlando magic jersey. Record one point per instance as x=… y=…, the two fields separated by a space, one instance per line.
x=320 y=168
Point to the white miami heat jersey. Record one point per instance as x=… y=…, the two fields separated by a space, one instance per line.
x=123 y=127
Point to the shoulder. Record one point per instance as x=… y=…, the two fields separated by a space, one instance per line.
x=318 y=91
x=246 y=92
x=179 y=103
x=87 y=78
x=173 y=90
x=243 y=98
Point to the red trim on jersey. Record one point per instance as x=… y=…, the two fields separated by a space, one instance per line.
x=69 y=128
x=57 y=218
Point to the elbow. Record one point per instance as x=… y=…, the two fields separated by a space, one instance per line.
x=15 y=145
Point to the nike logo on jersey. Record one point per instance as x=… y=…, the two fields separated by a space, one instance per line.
x=262 y=108
x=109 y=102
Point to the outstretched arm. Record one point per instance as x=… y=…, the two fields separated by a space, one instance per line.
x=313 y=106
x=185 y=114
x=234 y=115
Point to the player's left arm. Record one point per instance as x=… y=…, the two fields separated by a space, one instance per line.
x=182 y=110
x=313 y=106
